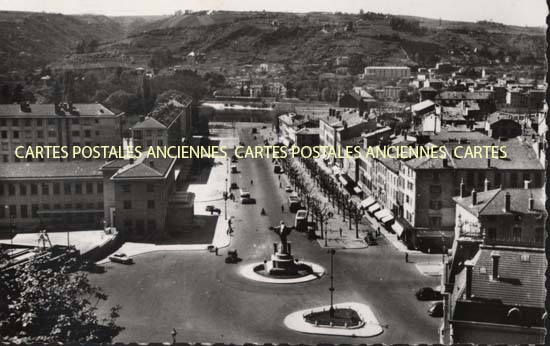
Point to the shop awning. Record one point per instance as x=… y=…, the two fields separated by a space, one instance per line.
x=343 y=180
x=387 y=218
x=374 y=208
x=382 y=213
x=398 y=229
x=368 y=202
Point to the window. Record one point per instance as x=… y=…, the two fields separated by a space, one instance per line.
x=5 y=158
x=15 y=122
x=516 y=234
x=75 y=133
x=78 y=188
x=87 y=133
x=160 y=132
x=51 y=121
x=539 y=235
x=435 y=221
x=537 y=180
x=3 y=122
x=160 y=142
x=513 y=179
x=68 y=206
x=100 y=187
x=470 y=179
x=24 y=212
x=497 y=179
x=15 y=134
x=75 y=121
x=1 y=189
x=407 y=198
x=150 y=204
x=435 y=176
x=46 y=206
x=127 y=224
x=45 y=189
x=11 y=189
x=526 y=176
x=435 y=204
x=150 y=187
x=127 y=204
x=4 y=134
x=89 y=188
x=2 y=212
x=126 y=188
x=492 y=234
x=38 y=122
x=151 y=225
x=51 y=133
x=78 y=206
x=27 y=122
x=149 y=143
x=13 y=211
x=435 y=189
x=148 y=133
x=56 y=188
x=34 y=210
x=34 y=189
x=67 y=188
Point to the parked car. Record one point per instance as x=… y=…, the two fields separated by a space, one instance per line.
x=278 y=169
x=120 y=258
x=436 y=310
x=244 y=193
x=234 y=186
x=300 y=222
x=212 y=209
x=370 y=239
x=294 y=203
x=428 y=293
x=248 y=200
x=234 y=159
x=288 y=188
x=254 y=130
x=234 y=168
x=232 y=257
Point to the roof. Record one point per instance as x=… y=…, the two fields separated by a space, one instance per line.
x=498 y=116
x=352 y=118
x=465 y=95
x=388 y=67
x=422 y=105
x=51 y=170
x=492 y=202
x=84 y=109
x=392 y=164
x=428 y=89
x=166 y=114
x=520 y=283
x=148 y=123
x=362 y=93
x=145 y=167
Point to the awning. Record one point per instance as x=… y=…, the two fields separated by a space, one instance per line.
x=382 y=213
x=387 y=218
x=374 y=208
x=397 y=228
x=368 y=202
x=343 y=180
x=357 y=190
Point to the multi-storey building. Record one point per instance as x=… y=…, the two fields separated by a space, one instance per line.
x=174 y=117
x=494 y=281
x=56 y=125
x=387 y=72
x=50 y=195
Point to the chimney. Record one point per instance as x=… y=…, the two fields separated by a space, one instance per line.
x=462 y=188
x=507 y=202
x=526 y=184
x=531 y=203
x=496 y=256
x=486 y=184
x=474 y=197
x=469 y=266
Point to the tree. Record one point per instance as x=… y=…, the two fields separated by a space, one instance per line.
x=17 y=95
x=5 y=94
x=40 y=304
x=119 y=100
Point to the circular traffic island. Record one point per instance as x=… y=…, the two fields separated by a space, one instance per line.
x=299 y=272
x=349 y=319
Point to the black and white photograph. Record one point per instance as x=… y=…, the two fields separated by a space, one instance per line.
x=273 y=172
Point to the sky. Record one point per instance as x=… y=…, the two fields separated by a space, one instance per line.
x=513 y=12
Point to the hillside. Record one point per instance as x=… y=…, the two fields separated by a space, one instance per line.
x=30 y=40
x=255 y=37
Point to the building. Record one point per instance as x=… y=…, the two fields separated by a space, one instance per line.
x=298 y=130
x=427 y=93
x=138 y=194
x=387 y=72
x=356 y=98
x=149 y=132
x=173 y=118
x=65 y=124
x=51 y=195
x=500 y=125
x=392 y=92
x=484 y=99
x=494 y=280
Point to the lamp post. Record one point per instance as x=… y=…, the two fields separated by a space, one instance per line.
x=10 y=216
x=326 y=233
x=225 y=198
x=331 y=252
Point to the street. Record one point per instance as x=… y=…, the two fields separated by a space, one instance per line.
x=206 y=300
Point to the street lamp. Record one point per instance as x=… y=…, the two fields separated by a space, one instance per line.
x=10 y=216
x=225 y=198
x=326 y=233
x=331 y=252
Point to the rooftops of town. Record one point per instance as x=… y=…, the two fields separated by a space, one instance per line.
x=51 y=169
x=492 y=202
x=144 y=167
x=49 y=109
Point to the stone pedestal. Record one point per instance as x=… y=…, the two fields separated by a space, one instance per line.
x=282 y=262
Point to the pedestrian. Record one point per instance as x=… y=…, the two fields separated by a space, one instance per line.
x=279 y=176
x=216 y=250
x=251 y=182
x=340 y=232
x=280 y=185
x=282 y=208
x=378 y=232
x=406 y=257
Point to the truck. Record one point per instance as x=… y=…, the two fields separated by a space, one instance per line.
x=294 y=203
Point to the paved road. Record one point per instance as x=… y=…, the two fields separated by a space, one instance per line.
x=207 y=300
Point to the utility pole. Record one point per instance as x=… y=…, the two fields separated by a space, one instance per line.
x=331 y=252
x=225 y=198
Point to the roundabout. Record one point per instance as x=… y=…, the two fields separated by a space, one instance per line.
x=254 y=271
x=365 y=325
